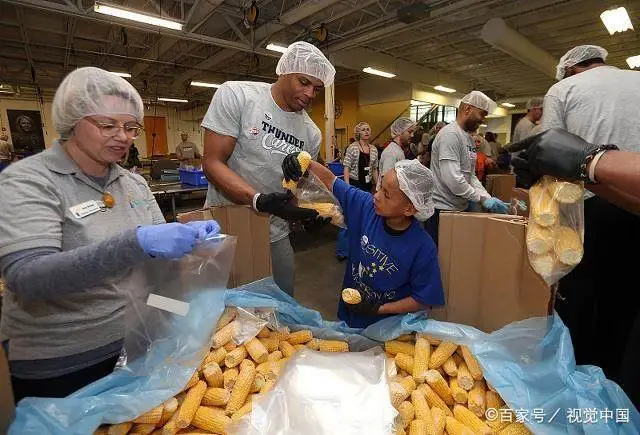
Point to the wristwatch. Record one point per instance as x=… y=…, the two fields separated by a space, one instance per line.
x=588 y=168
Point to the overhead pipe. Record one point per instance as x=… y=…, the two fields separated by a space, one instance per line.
x=499 y=35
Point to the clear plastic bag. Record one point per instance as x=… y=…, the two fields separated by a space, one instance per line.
x=325 y=393
x=555 y=232
x=249 y=321
x=160 y=312
x=312 y=193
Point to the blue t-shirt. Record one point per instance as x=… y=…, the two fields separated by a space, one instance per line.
x=384 y=264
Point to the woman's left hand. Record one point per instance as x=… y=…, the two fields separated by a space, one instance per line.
x=206 y=229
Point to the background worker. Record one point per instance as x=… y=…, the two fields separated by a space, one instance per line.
x=402 y=131
x=528 y=122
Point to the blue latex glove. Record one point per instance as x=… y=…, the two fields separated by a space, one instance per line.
x=172 y=240
x=206 y=229
x=495 y=205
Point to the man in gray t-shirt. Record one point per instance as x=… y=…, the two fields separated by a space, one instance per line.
x=249 y=128
x=525 y=127
x=402 y=130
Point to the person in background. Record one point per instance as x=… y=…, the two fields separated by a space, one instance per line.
x=132 y=159
x=393 y=263
x=453 y=163
x=431 y=136
x=528 y=122
x=186 y=150
x=6 y=151
x=483 y=162
x=74 y=224
x=249 y=128
x=597 y=102
x=401 y=132
x=495 y=146
x=337 y=155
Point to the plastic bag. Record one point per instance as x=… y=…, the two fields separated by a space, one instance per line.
x=325 y=393
x=249 y=321
x=555 y=233
x=312 y=193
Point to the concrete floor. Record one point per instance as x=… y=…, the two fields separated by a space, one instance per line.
x=318 y=273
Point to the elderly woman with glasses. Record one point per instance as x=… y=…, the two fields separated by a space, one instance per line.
x=74 y=224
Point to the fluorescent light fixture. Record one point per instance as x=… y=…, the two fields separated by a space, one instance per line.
x=136 y=16
x=173 y=100
x=276 y=47
x=483 y=125
x=616 y=20
x=377 y=72
x=419 y=103
x=121 y=74
x=444 y=89
x=507 y=105
x=633 y=62
x=205 y=85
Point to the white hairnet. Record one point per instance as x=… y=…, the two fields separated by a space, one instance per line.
x=480 y=100
x=535 y=102
x=579 y=54
x=401 y=125
x=304 y=58
x=417 y=181
x=93 y=91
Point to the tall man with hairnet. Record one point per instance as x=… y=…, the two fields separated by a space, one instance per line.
x=249 y=128
x=528 y=123
x=453 y=162
x=598 y=300
x=393 y=263
x=402 y=131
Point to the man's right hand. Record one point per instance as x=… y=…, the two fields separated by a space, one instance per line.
x=278 y=204
x=291 y=168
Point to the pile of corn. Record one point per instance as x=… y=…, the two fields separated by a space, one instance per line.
x=553 y=241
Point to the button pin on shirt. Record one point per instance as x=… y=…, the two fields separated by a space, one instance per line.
x=108 y=200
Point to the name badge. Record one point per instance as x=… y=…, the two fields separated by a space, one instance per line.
x=86 y=208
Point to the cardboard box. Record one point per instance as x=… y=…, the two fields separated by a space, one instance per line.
x=487 y=279
x=523 y=195
x=253 y=255
x=7 y=406
x=501 y=185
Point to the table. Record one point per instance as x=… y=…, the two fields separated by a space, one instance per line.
x=173 y=189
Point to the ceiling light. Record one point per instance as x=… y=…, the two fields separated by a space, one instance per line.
x=419 y=103
x=633 y=62
x=205 y=84
x=508 y=105
x=136 y=16
x=483 y=125
x=616 y=20
x=173 y=100
x=444 y=89
x=276 y=47
x=377 y=72
x=121 y=74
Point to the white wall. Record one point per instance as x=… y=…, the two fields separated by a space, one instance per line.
x=500 y=125
x=376 y=90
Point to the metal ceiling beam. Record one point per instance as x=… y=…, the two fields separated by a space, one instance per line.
x=25 y=38
x=235 y=29
x=71 y=26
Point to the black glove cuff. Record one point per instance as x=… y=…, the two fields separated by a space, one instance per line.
x=584 y=175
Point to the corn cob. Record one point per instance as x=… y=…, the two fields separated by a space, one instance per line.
x=405 y=337
x=246 y=363
x=191 y=403
x=216 y=356
x=258 y=383
x=450 y=367
x=515 y=428
x=465 y=380
x=287 y=349
x=195 y=377
x=142 y=429
x=454 y=427
x=405 y=362
x=476 y=401
x=393 y=347
x=493 y=400
x=314 y=344
x=120 y=428
x=168 y=409
x=226 y=317
x=304 y=158
x=102 y=430
x=152 y=416
x=300 y=337
x=256 y=350
x=270 y=343
x=421 y=358
x=472 y=363
x=468 y=418
x=440 y=386
x=211 y=419
x=269 y=369
x=568 y=246
x=432 y=340
x=333 y=346
x=274 y=356
x=433 y=399
x=459 y=394
x=503 y=419
x=170 y=427
x=213 y=375
x=397 y=393
x=216 y=397
x=298 y=347
x=230 y=346
x=544 y=210
x=566 y=192
x=282 y=333
x=246 y=409
x=224 y=335
x=229 y=376
x=544 y=265
x=264 y=333
x=268 y=385
x=539 y=239
x=235 y=357
x=241 y=389
x=441 y=354
x=458 y=359
x=406 y=412
x=421 y=408
x=408 y=383
x=439 y=420
x=418 y=427
x=351 y=296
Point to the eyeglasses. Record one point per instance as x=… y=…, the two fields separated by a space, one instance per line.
x=111 y=128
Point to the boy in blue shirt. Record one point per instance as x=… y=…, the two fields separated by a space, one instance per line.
x=393 y=262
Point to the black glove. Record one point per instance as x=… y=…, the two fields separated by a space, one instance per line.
x=291 y=168
x=312 y=225
x=364 y=308
x=555 y=152
x=278 y=204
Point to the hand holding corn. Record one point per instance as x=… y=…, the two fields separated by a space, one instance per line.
x=294 y=166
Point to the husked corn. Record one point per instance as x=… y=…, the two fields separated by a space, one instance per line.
x=287 y=349
x=441 y=354
x=152 y=416
x=168 y=409
x=406 y=411
x=568 y=245
x=472 y=363
x=450 y=367
x=195 y=377
x=230 y=346
x=264 y=333
x=544 y=264
x=465 y=380
x=433 y=399
x=270 y=343
x=241 y=389
x=566 y=192
x=224 y=335
x=501 y=421
x=405 y=362
x=235 y=357
x=213 y=375
x=216 y=356
x=300 y=337
x=256 y=350
x=142 y=429
x=258 y=383
x=314 y=344
x=352 y=296
x=469 y=419
x=226 y=317
x=268 y=385
x=304 y=158
x=515 y=429
x=539 y=239
x=454 y=427
x=274 y=356
x=408 y=384
x=544 y=210
x=229 y=377
x=405 y=337
x=493 y=400
x=476 y=402
x=216 y=397
x=246 y=409
x=120 y=428
x=393 y=347
x=460 y=395
x=102 y=430
x=418 y=427
x=299 y=346
x=421 y=407
x=440 y=386
x=188 y=408
x=397 y=393
x=281 y=334
x=246 y=362
x=432 y=340
x=333 y=346
x=421 y=358
x=439 y=420
x=211 y=419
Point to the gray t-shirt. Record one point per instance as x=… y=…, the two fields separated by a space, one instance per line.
x=264 y=134
x=453 y=162
x=39 y=195
x=390 y=156
x=522 y=130
x=187 y=150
